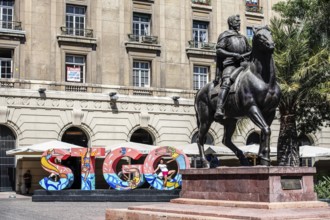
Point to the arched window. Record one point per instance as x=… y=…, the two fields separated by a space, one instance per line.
x=75 y=135
x=209 y=139
x=305 y=140
x=253 y=138
x=7 y=163
x=142 y=136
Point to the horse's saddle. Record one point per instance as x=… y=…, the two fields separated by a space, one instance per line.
x=236 y=78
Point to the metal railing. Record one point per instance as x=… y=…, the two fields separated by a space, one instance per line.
x=4 y=84
x=201 y=45
x=12 y=25
x=76 y=88
x=77 y=32
x=253 y=8
x=143 y=39
x=201 y=2
x=142 y=92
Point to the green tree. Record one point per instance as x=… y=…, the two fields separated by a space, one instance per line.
x=303 y=73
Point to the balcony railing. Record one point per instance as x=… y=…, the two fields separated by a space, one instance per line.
x=201 y=2
x=254 y=8
x=78 y=88
x=202 y=45
x=143 y=39
x=77 y=32
x=12 y=25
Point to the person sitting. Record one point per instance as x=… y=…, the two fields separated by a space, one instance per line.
x=232 y=49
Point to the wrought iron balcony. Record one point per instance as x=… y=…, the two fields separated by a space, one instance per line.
x=143 y=39
x=77 y=32
x=11 y=25
x=201 y=2
x=253 y=8
x=201 y=45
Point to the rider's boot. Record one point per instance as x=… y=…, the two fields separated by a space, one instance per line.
x=224 y=91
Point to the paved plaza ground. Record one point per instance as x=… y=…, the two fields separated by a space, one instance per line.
x=22 y=208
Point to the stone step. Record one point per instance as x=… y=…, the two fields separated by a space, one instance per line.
x=254 y=205
x=121 y=214
x=179 y=212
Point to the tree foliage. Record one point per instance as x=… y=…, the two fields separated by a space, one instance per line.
x=302 y=65
x=302 y=62
x=314 y=13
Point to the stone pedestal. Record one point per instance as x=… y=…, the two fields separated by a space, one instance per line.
x=254 y=184
x=260 y=193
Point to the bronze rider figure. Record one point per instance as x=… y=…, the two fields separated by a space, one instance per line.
x=232 y=49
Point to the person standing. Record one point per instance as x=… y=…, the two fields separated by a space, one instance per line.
x=163 y=168
x=27 y=181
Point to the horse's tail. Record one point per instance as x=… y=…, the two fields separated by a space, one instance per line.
x=196 y=110
x=199 y=97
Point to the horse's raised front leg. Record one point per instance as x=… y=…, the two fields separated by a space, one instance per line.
x=229 y=129
x=256 y=117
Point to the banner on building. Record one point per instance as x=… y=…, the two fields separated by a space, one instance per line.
x=73 y=74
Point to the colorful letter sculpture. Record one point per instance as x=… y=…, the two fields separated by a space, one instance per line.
x=110 y=164
x=63 y=174
x=87 y=165
x=135 y=174
x=154 y=156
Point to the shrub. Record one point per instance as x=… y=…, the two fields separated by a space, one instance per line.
x=322 y=188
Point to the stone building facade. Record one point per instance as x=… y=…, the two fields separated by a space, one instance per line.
x=112 y=71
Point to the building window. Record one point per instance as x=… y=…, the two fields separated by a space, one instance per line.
x=200 y=33
x=253 y=6
x=6 y=64
x=7 y=163
x=208 y=139
x=201 y=76
x=305 y=140
x=6 y=14
x=252 y=2
x=75 y=20
x=141 y=73
x=75 y=67
x=249 y=33
x=253 y=138
x=142 y=136
x=141 y=24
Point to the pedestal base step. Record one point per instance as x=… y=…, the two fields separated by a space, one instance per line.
x=179 y=211
x=116 y=214
x=253 y=205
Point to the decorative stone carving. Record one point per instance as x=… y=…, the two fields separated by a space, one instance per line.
x=10 y=101
x=55 y=103
x=4 y=112
x=40 y=102
x=137 y=107
x=144 y=119
x=77 y=116
x=150 y=107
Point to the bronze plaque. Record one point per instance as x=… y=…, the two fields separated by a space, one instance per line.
x=291 y=183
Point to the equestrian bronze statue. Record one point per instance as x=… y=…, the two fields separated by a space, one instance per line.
x=253 y=93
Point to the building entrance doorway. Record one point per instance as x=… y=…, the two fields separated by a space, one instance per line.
x=7 y=163
x=77 y=136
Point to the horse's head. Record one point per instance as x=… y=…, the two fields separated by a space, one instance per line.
x=263 y=39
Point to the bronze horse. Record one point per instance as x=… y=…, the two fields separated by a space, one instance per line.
x=255 y=94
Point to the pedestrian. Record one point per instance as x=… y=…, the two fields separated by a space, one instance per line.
x=27 y=181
